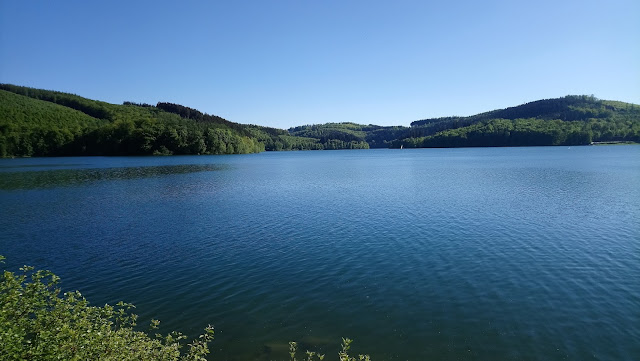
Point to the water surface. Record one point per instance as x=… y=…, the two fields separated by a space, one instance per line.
x=438 y=254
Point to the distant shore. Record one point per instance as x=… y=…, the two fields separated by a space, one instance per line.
x=613 y=142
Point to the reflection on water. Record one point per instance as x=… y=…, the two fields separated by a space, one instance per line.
x=72 y=177
x=3 y=166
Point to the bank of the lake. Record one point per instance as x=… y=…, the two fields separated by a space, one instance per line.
x=439 y=254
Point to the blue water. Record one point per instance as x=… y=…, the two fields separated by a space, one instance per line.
x=428 y=254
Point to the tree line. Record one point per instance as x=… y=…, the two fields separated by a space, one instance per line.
x=36 y=122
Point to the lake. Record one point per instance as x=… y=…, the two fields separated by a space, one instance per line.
x=416 y=254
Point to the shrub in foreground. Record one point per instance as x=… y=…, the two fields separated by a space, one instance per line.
x=38 y=322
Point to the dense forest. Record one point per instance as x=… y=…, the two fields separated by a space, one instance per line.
x=571 y=120
x=36 y=122
x=350 y=135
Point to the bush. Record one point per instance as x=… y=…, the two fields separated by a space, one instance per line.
x=37 y=322
x=343 y=355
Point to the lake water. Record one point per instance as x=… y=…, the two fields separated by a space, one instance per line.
x=426 y=254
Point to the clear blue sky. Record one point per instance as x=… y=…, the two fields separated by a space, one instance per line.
x=287 y=63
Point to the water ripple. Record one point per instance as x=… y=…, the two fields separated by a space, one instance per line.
x=502 y=254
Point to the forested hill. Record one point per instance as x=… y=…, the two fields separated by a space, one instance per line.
x=571 y=120
x=350 y=135
x=36 y=122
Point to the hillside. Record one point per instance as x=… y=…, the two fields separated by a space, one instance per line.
x=36 y=122
x=350 y=135
x=571 y=120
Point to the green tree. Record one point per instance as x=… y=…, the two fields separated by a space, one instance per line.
x=37 y=322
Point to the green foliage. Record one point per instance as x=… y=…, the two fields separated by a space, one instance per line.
x=349 y=135
x=504 y=132
x=572 y=120
x=568 y=108
x=382 y=137
x=345 y=132
x=92 y=108
x=193 y=114
x=528 y=132
x=279 y=139
x=343 y=355
x=30 y=127
x=37 y=322
x=36 y=122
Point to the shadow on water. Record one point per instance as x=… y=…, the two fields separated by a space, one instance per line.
x=73 y=177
